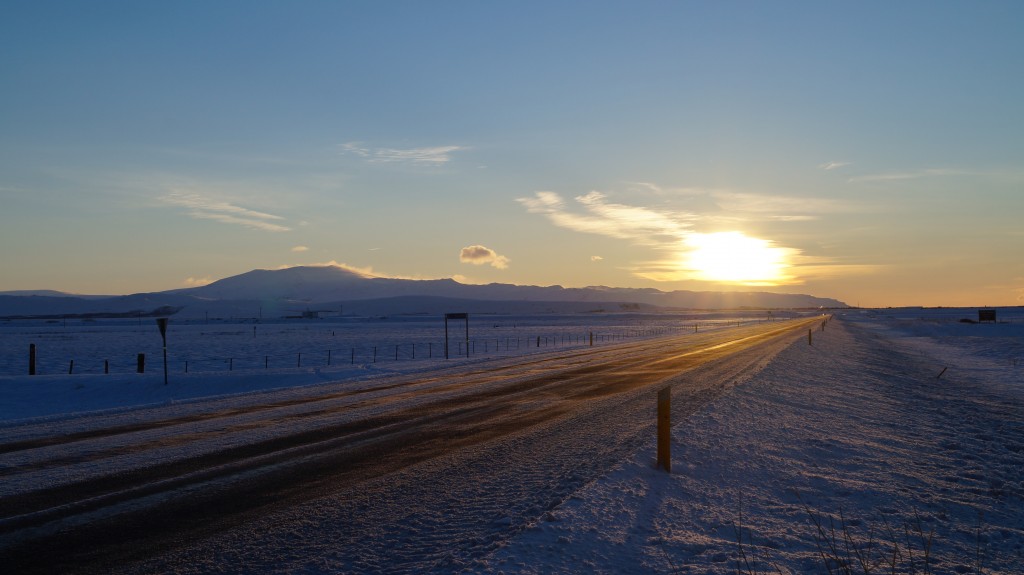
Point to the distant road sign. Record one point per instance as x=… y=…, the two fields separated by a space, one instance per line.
x=456 y=316
x=987 y=315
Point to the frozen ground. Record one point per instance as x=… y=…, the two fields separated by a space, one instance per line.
x=856 y=432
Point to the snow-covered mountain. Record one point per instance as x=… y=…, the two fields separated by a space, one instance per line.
x=274 y=293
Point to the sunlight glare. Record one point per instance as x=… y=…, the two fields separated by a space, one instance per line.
x=734 y=257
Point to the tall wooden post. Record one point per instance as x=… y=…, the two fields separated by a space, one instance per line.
x=31 y=359
x=462 y=316
x=665 y=429
x=161 y=322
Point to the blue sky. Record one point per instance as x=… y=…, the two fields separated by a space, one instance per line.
x=872 y=152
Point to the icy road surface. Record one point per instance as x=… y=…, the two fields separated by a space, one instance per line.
x=411 y=474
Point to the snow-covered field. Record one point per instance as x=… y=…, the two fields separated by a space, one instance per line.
x=901 y=432
x=229 y=358
x=856 y=433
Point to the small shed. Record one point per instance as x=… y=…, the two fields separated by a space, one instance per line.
x=987 y=315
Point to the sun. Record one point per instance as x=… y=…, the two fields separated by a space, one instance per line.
x=733 y=257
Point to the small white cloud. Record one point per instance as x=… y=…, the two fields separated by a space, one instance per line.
x=426 y=156
x=299 y=249
x=833 y=165
x=596 y=258
x=196 y=282
x=479 y=255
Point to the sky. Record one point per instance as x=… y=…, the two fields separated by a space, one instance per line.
x=871 y=152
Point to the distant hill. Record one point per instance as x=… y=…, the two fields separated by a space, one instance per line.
x=332 y=290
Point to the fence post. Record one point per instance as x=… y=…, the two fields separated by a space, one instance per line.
x=430 y=350
x=140 y=363
x=665 y=429
x=106 y=366
x=328 y=357
x=353 y=356
x=809 y=339
x=71 y=367
x=298 y=362
x=231 y=364
x=374 y=354
x=396 y=352
x=266 y=362
x=31 y=359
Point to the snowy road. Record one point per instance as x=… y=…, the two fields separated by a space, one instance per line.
x=411 y=474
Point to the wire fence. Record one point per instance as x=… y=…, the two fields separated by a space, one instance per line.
x=41 y=360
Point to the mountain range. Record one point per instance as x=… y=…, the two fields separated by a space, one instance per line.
x=332 y=290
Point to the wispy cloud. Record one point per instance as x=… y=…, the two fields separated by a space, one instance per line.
x=200 y=207
x=777 y=207
x=299 y=249
x=426 y=156
x=639 y=224
x=480 y=255
x=833 y=165
x=914 y=175
x=596 y=258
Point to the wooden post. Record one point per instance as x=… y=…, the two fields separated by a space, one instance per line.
x=140 y=363
x=298 y=362
x=161 y=323
x=591 y=339
x=106 y=366
x=665 y=429
x=71 y=367
x=31 y=359
x=809 y=338
x=328 y=357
